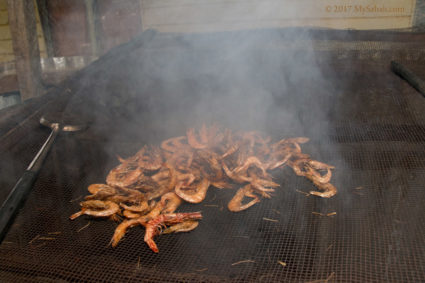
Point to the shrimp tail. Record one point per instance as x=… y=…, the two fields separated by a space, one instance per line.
x=76 y=215
x=152 y=245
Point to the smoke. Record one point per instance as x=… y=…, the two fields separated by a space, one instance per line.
x=226 y=77
x=155 y=88
x=159 y=84
x=262 y=79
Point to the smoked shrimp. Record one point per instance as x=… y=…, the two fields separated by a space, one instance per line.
x=173 y=144
x=95 y=188
x=170 y=201
x=308 y=168
x=329 y=190
x=131 y=214
x=141 y=207
x=150 y=159
x=235 y=177
x=232 y=149
x=193 y=141
x=148 y=187
x=97 y=208
x=121 y=230
x=275 y=163
x=199 y=194
x=185 y=226
x=153 y=226
x=100 y=192
x=236 y=205
x=186 y=179
x=251 y=161
x=124 y=175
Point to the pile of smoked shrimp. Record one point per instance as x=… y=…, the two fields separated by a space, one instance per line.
x=147 y=188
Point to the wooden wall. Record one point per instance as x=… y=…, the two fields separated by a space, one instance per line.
x=213 y=15
x=6 y=48
x=91 y=27
x=118 y=22
x=112 y=22
x=68 y=27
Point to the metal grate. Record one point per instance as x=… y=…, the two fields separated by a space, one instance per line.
x=376 y=234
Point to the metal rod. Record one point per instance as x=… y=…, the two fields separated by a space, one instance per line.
x=36 y=163
x=20 y=191
x=409 y=76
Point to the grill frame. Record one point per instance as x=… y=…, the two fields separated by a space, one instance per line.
x=374 y=152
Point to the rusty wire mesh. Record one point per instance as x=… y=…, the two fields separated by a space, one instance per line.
x=370 y=127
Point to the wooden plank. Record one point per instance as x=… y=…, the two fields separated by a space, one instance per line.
x=235 y=26
x=8 y=83
x=91 y=10
x=119 y=21
x=25 y=46
x=217 y=15
x=69 y=30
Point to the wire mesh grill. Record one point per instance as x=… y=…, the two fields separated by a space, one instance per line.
x=371 y=231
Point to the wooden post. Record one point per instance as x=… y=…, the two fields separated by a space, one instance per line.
x=45 y=25
x=25 y=46
x=92 y=22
